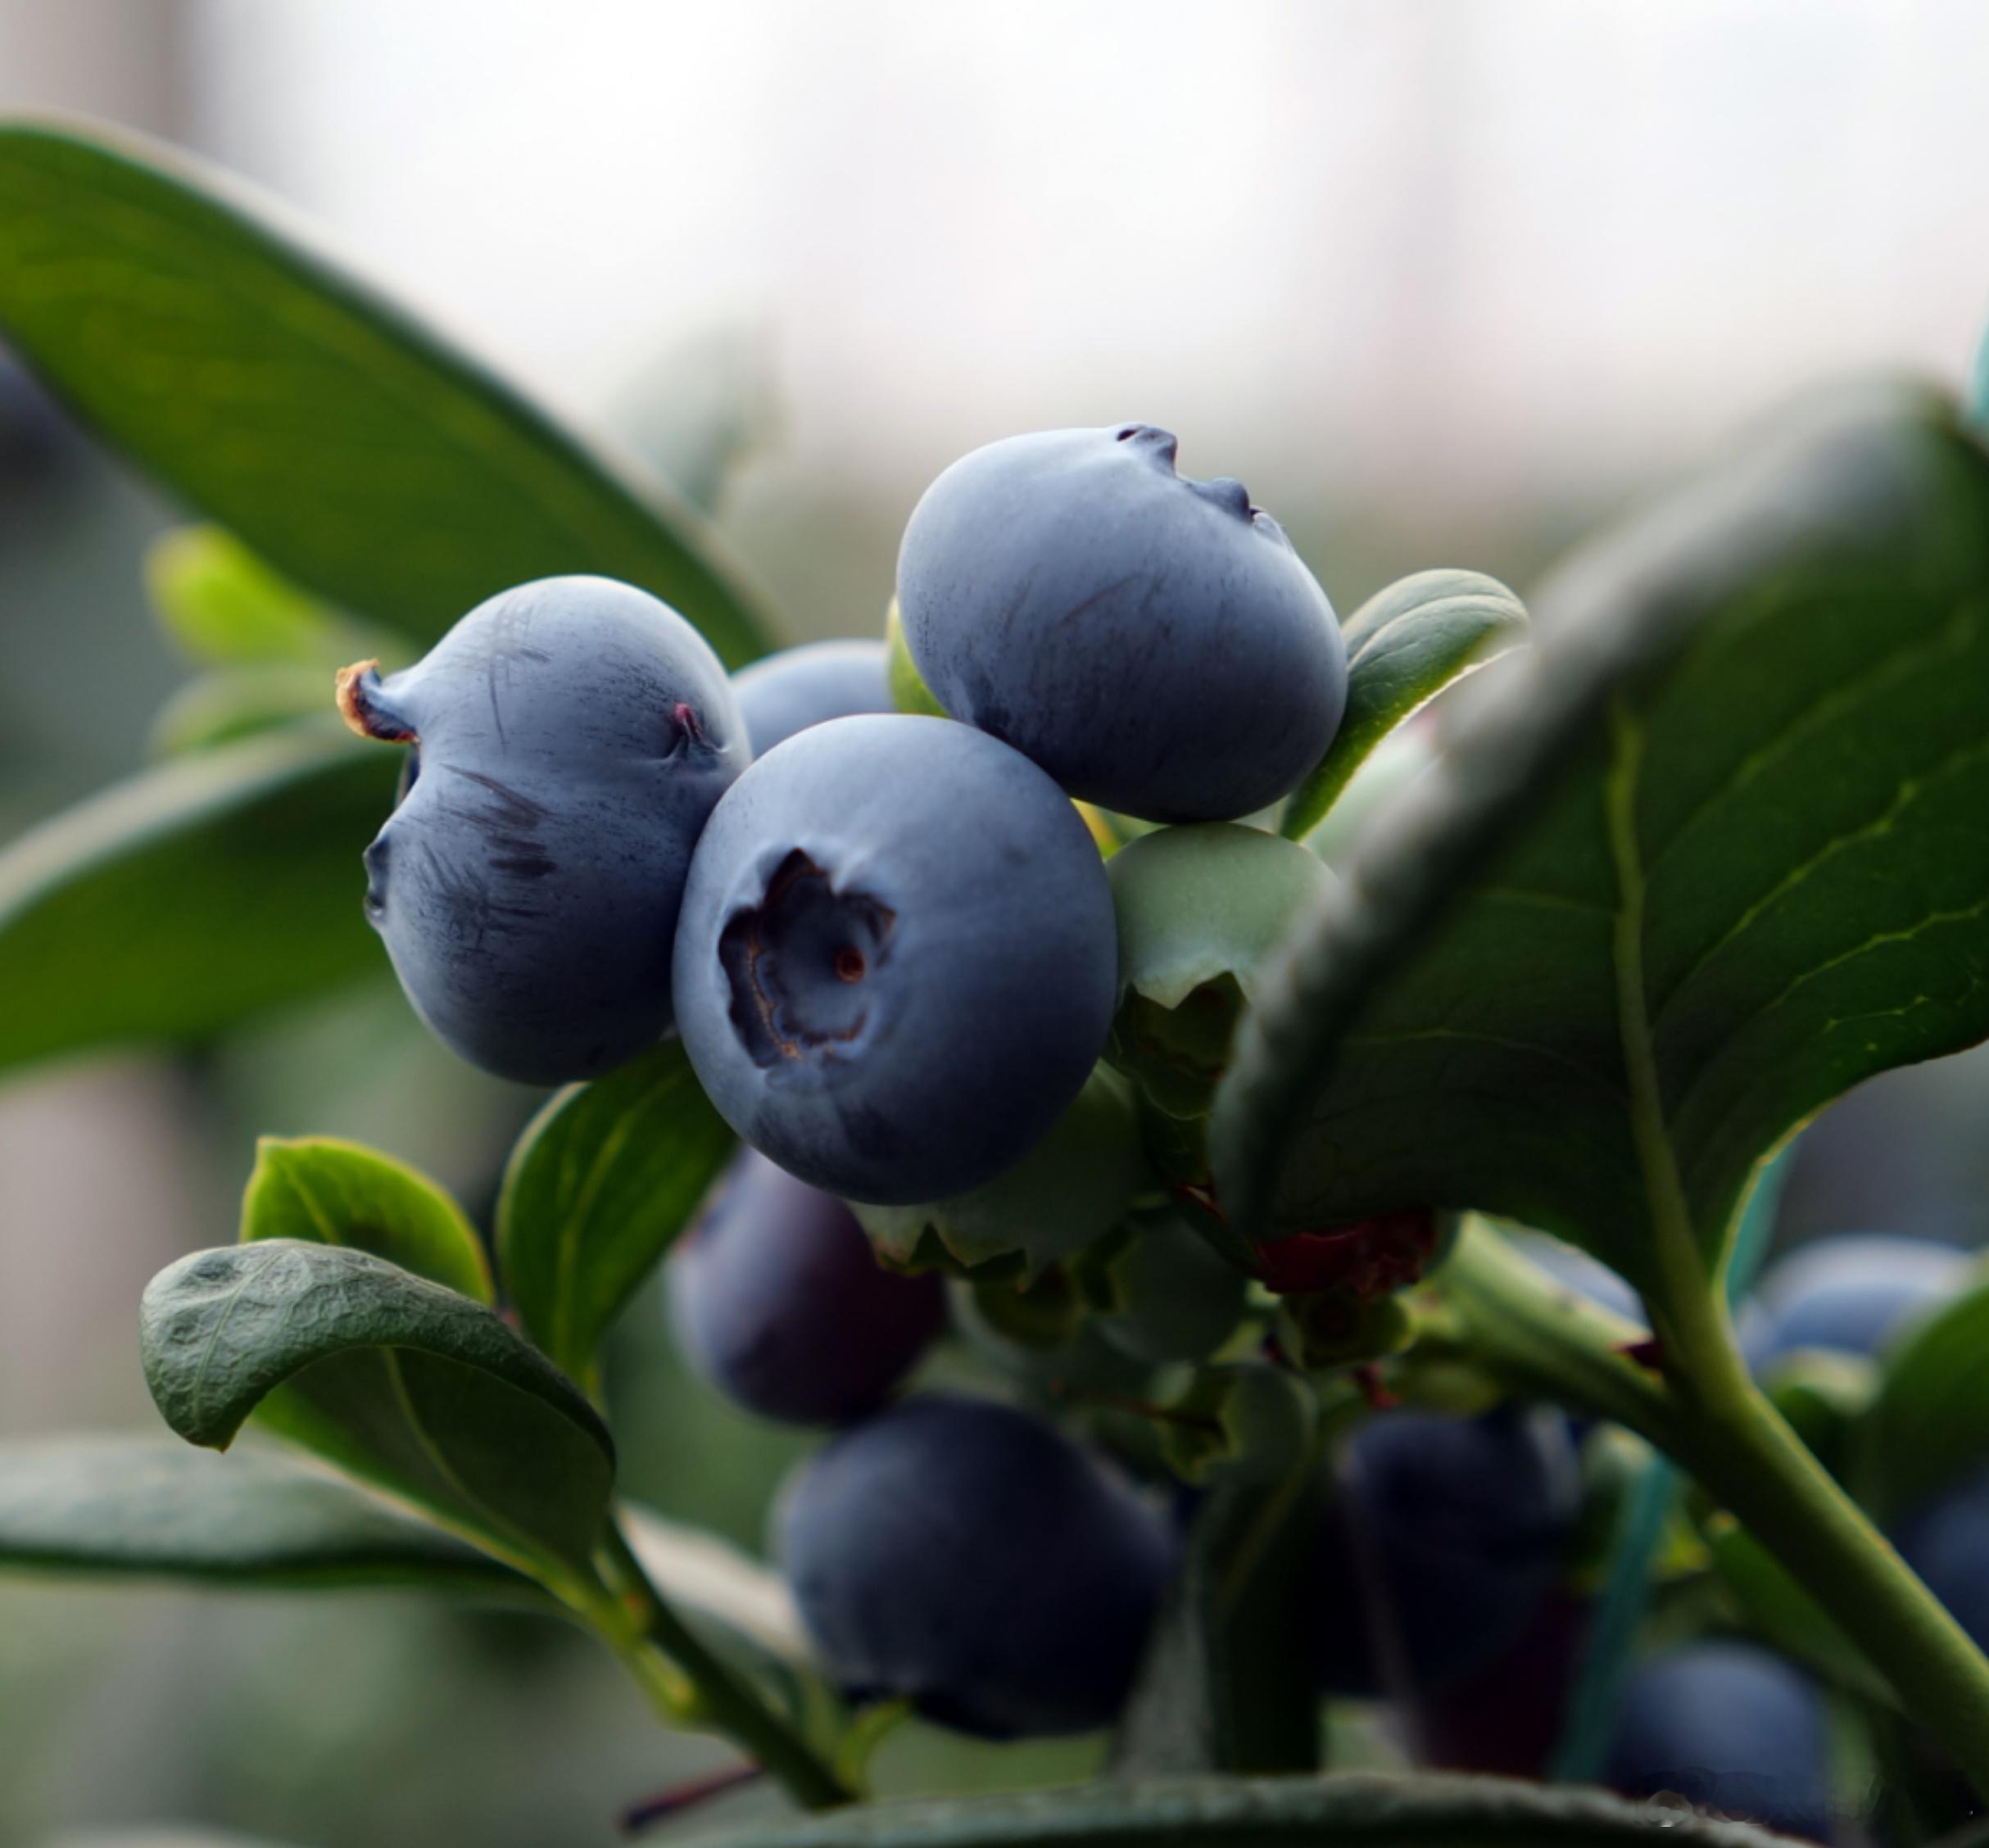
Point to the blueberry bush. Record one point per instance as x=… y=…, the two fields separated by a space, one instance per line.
x=1259 y=1195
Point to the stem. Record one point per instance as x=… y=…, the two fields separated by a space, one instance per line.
x=686 y=1683
x=1709 y=1417
x=1742 y=1449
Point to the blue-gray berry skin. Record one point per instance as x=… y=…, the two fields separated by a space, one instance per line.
x=1153 y=642
x=971 y=1558
x=1729 y=1727
x=569 y=738
x=1459 y=1523
x=788 y=692
x=1853 y=1293
x=897 y=957
x=778 y=1302
x=1945 y=1540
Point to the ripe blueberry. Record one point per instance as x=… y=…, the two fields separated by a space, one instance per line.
x=569 y=737
x=1853 y=1293
x=1946 y=1541
x=1730 y=1727
x=778 y=1302
x=1153 y=642
x=971 y=1558
x=894 y=966
x=36 y=438
x=1459 y=1524
x=788 y=692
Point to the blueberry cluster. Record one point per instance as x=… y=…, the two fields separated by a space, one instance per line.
x=894 y=955
x=956 y=929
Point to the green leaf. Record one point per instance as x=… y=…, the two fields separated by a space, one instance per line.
x=231 y=703
x=222 y=605
x=1404 y=646
x=166 y=1836
x=1713 y=853
x=910 y=693
x=147 y=1508
x=331 y=1193
x=1928 y=1423
x=603 y=1179
x=1222 y=1688
x=1357 y=1810
x=180 y=901
x=410 y=1387
x=358 y=451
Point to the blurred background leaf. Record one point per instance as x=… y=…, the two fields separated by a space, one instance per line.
x=354 y=448
x=185 y=900
x=151 y=1508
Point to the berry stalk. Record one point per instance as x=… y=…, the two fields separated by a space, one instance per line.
x=688 y=1685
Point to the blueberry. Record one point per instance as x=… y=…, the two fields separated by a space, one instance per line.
x=894 y=965
x=970 y=1558
x=1946 y=1541
x=788 y=692
x=36 y=437
x=1729 y=1727
x=569 y=737
x=1153 y=642
x=1854 y=1293
x=1458 y=1525
x=778 y=1302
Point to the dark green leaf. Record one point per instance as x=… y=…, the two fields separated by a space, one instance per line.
x=1404 y=646
x=1222 y=1687
x=180 y=901
x=1929 y=1423
x=408 y=1386
x=333 y=1193
x=1716 y=850
x=357 y=451
x=603 y=1179
x=166 y=1836
x=1357 y=1810
x=146 y=1507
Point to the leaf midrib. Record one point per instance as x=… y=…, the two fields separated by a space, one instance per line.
x=1679 y=1267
